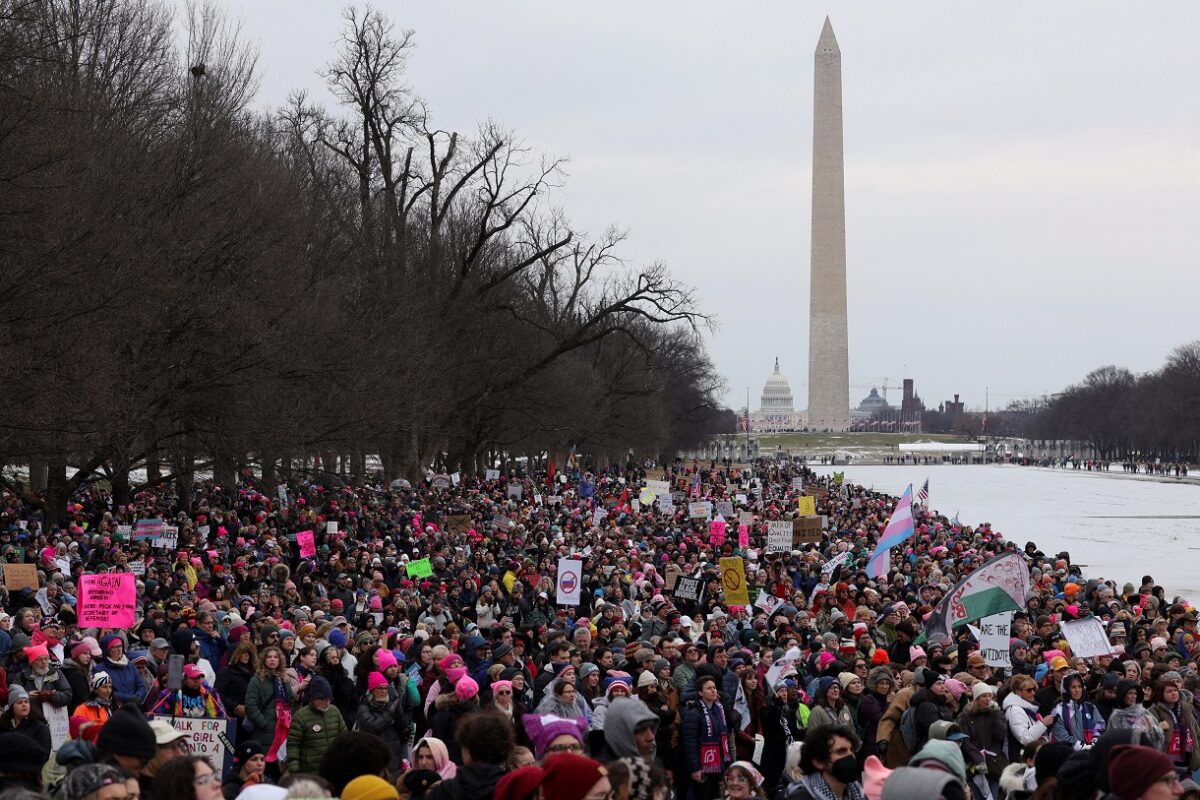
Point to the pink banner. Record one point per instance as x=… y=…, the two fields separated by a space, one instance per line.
x=107 y=601
x=308 y=544
x=743 y=536
x=716 y=531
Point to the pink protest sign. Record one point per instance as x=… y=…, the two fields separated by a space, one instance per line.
x=107 y=601
x=308 y=544
x=716 y=531
x=743 y=536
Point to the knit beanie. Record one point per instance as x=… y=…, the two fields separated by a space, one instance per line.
x=980 y=689
x=369 y=787
x=80 y=648
x=16 y=693
x=1049 y=758
x=545 y=728
x=337 y=638
x=384 y=659
x=128 y=734
x=880 y=657
x=20 y=754
x=567 y=776
x=949 y=754
x=1133 y=769
x=319 y=688
x=520 y=784
x=846 y=678
x=375 y=680
x=465 y=689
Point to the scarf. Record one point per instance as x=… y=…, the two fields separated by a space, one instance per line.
x=820 y=789
x=715 y=730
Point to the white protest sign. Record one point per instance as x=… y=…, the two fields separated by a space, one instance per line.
x=701 y=510
x=665 y=504
x=993 y=640
x=455 y=478
x=598 y=516
x=331 y=527
x=741 y=498
x=537 y=498
x=514 y=491
x=137 y=567
x=798 y=484
x=636 y=505
x=1086 y=637
x=169 y=538
x=777 y=670
x=59 y=720
x=570 y=581
x=659 y=488
x=124 y=532
x=835 y=562
x=203 y=531
x=746 y=518
x=283 y=498
x=779 y=536
x=491 y=474
x=767 y=602
x=725 y=509
x=210 y=738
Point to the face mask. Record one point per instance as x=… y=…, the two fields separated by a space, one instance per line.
x=846 y=769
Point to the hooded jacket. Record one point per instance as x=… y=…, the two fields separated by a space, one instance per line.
x=623 y=717
x=1024 y=723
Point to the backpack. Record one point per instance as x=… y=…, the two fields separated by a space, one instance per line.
x=908 y=728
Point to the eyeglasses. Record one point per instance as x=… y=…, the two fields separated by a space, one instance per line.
x=573 y=747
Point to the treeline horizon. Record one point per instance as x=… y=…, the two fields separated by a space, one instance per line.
x=188 y=282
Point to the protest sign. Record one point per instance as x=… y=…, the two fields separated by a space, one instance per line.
x=733 y=581
x=598 y=516
x=767 y=602
x=441 y=482
x=798 y=484
x=203 y=531
x=701 y=510
x=1086 y=637
x=331 y=527
x=308 y=544
x=779 y=536
x=283 y=495
x=671 y=575
x=741 y=498
x=665 y=504
x=107 y=600
x=210 y=738
x=806 y=530
x=458 y=523
x=834 y=563
x=658 y=487
x=59 y=720
x=687 y=588
x=716 y=532
x=778 y=670
x=421 y=568
x=746 y=518
x=647 y=497
x=514 y=491
x=168 y=538
x=455 y=478
x=743 y=536
x=725 y=508
x=20 y=576
x=807 y=506
x=124 y=532
x=148 y=529
x=570 y=581
x=491 y=475
x=993 y=639
x=137 y=567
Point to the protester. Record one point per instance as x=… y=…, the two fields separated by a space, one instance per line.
x=313 y=727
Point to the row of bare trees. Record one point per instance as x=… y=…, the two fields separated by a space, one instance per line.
x=187 y=282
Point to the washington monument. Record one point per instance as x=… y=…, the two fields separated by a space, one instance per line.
x=828 y=362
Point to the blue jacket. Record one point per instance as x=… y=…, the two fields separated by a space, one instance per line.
x=211 y=648
x=126 y=680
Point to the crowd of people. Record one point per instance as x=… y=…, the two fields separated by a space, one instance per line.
x=419 y=651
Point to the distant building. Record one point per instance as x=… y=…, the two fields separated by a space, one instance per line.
x=911 y=404
x=777 y=411
x=873 y=403
x=955 y=407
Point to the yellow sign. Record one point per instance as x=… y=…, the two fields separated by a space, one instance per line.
x=733 y=581
x=808 y=505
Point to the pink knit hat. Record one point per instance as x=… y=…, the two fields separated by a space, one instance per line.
x=874 y=776
x=466 y=688
x=375 y=680
x=384 y=659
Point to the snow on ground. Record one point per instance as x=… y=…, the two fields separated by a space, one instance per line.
x=1121 y=529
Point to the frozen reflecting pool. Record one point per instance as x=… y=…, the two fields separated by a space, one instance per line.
x=1121 y=528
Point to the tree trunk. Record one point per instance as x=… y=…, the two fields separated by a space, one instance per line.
x=268 y=469
x=224 y=469
x=37 y=475
x=57 y=490
x=121 y=491
x=185 y=475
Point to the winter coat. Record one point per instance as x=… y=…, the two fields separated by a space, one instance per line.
x=871 y=709
x=260 y=708
x=1187 y=723
x=888 y=730
x=696 y=735
x=445 y=714
x=79 y=678
x=387 y=721
x=1024 y=724
x=988 y=731
x=780 y=728
x=127 y=681
x=53 y=681
x=472 y=782
x=37 y=730
x=310 y=735
x=824 y=715
x=231 y=686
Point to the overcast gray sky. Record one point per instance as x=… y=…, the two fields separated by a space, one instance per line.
x=1022 y=179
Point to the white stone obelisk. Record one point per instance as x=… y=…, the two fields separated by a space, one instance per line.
x=828 y=361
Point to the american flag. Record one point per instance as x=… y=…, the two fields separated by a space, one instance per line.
x=923 y=495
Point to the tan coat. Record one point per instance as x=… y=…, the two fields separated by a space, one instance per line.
x=889 y=729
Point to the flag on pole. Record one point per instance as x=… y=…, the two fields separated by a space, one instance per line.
x=923 y=495
x=898 y=530
x=1000 y=585
x=696 y=485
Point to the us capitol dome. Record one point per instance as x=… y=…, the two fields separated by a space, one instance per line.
x=777 y=410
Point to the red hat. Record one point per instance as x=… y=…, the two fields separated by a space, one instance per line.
x=192 y=671
x=336 y=604
x=1133 y=769
x=520 y=784
x=567 y=776
x=880 y=657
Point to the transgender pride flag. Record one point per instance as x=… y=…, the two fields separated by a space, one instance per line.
x=898 y=530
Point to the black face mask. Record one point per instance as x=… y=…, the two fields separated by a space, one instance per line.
x=846 y=769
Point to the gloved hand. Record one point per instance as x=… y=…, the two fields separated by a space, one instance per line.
x=882 y=748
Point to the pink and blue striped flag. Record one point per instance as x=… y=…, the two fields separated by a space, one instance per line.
x=899 y=529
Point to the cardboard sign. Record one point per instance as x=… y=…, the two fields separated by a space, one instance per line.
x=168 y=538
x=124 y=532
x=807 y=506
x=993 y=639
x=733 y=581
x=107 y=600
x=148 y=529
x=59 y=720
x=806 y=530
x=798 y=484
x=716 y=532
x=701 y=510
x=687 y=588
x=514 y=491
x=331 y=527
x=671 y=576
x=420 y=568
x=570 y=581
x=459 y=523
x=308 y=544
x=21 y=576
x=137 y=567
x=491 y=474
x=1086 y=637
x=725 y=508
x=779 y=536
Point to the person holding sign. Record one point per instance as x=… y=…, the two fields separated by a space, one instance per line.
x=44 y=682
x=191 y=699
